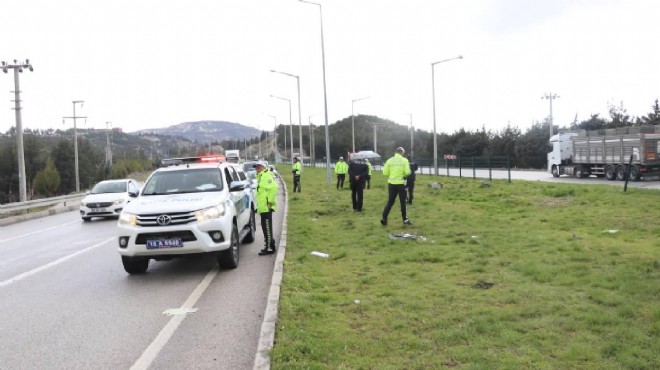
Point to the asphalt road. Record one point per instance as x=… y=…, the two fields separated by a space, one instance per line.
x=66 y=302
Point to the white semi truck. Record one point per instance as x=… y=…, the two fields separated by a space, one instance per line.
x=606 y=153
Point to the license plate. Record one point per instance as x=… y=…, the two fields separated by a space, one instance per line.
x=164 y=243
x=100 y=210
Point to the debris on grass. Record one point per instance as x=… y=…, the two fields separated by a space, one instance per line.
x=483 y=285
x=320 y=254
x=611 y=231
x=403 y=236
x=357 y=301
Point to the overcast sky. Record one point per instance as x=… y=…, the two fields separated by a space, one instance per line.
x=148 y=64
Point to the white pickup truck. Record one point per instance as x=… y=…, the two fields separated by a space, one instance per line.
x=194 y=205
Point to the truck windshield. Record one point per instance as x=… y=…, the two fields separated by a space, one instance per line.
x=184 y=181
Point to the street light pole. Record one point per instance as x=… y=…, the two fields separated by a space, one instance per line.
x=274 y=137
x=435 y=135
x=300 y=145
x=325 y=99
x=18 y=68
x=75 y=140
x=353 y=119
x=550 y=97
x=290 y=124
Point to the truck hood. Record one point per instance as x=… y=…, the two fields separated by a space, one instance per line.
x=148 y=204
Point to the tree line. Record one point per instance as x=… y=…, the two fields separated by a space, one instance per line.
x=50 y=169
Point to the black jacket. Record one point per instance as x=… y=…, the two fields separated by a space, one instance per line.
x=413 y=168
x=357 y=169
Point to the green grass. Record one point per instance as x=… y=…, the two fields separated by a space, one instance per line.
x=520 y=275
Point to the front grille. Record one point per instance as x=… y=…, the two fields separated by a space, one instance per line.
x=185 y=235
x=99 y=204
x=179 y=218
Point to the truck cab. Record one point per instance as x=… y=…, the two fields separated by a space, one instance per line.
x=561 y=153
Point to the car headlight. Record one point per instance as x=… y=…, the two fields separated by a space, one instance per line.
x=210 y=213
x=84 y=204
x=126 y=218
x=118 y=201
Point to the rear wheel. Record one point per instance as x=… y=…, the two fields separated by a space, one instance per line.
x=610 y=173
x=135 y=265
x=229 y=259
x=620 y=173
x=634 y=173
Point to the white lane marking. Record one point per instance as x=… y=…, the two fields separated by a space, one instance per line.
x=149 y=354
x=51 y=264
x=39 y=231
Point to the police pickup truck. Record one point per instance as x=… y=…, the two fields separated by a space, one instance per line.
x=191 y=205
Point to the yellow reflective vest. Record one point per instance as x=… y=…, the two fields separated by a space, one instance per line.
x=266 y=191
x=396 y=169
x=296 y=168
x=341 y=168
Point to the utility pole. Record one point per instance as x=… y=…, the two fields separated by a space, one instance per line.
x=375 y=125
x=18 y=68
x=108 y=145
x=550 y=97
x=75 y=140
x=412 y=132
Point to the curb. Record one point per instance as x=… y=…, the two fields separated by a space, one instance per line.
x=34 y=215
x=267 y=334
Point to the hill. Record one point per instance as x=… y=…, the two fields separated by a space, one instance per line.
x=204 y=131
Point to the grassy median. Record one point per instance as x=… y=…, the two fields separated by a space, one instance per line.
x=522 y=275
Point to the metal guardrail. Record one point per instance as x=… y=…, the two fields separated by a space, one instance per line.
x=19 y=206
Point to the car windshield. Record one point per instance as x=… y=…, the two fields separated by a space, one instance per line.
x=249 y=166
x=184 y=181
x=109 y=187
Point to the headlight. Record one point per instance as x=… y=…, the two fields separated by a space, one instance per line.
x=84 y=204
x=210 y=213
x=118 y=201
x=127 y=219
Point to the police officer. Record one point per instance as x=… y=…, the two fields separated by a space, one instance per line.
x=296 y=169
x=341 y=168
x=410 y=181
x=266 y=205
x=396 y=169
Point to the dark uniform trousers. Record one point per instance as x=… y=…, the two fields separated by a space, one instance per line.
x=267 y=228
x=394 y=191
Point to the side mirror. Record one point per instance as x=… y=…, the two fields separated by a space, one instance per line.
x=237 y=186
x=133 y=194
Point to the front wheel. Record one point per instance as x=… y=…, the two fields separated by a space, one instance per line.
x=249 y=238
x=229 y=259
x=555 y=171
x=135 y=265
